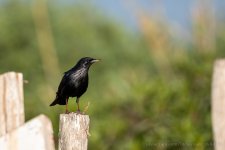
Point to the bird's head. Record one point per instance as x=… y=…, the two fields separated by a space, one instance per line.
x=86 y=62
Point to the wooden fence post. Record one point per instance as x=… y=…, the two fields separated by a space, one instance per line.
x=14 y=134
x=11 y=102
x=73 y=131
x=218 y=104
x=36 y=134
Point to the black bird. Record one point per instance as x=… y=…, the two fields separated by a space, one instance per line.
x=74 y=83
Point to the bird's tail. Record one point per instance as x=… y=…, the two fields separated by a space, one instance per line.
x=59 y=100
x=54 y=102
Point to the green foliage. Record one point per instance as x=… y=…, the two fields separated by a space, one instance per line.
x=133 y=106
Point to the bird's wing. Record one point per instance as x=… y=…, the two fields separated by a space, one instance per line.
x=62 y=84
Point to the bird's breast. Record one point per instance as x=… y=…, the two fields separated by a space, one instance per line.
x=79 y=76
x=78 y=83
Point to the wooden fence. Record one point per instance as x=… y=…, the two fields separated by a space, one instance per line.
x=36 y=134
x=74 y=129
x=218 y=104
x=15 y=134
x=11 y=102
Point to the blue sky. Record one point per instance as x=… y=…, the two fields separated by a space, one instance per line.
x=176 y=11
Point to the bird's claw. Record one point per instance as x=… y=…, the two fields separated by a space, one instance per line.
x=67 y=112
x=78 y=112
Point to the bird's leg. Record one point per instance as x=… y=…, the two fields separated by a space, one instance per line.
x=78 y=107
x=67 y=106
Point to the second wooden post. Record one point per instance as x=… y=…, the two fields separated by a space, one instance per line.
x=73 y=131
x=218 y=104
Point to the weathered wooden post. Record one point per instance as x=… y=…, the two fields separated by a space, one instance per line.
x=14 y=133
x=36 y=134
x=73 y=131
x=218 y=104
x=11 y=102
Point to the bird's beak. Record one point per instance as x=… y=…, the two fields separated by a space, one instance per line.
x=95 y=60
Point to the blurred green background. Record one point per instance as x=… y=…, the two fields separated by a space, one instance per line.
x=152 y=87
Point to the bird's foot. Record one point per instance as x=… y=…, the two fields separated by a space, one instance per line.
x=78 y=111
x=67 y=112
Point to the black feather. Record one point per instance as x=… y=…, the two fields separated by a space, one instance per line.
x=74 y=82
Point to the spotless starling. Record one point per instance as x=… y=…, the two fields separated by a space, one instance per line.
x=74 y=83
